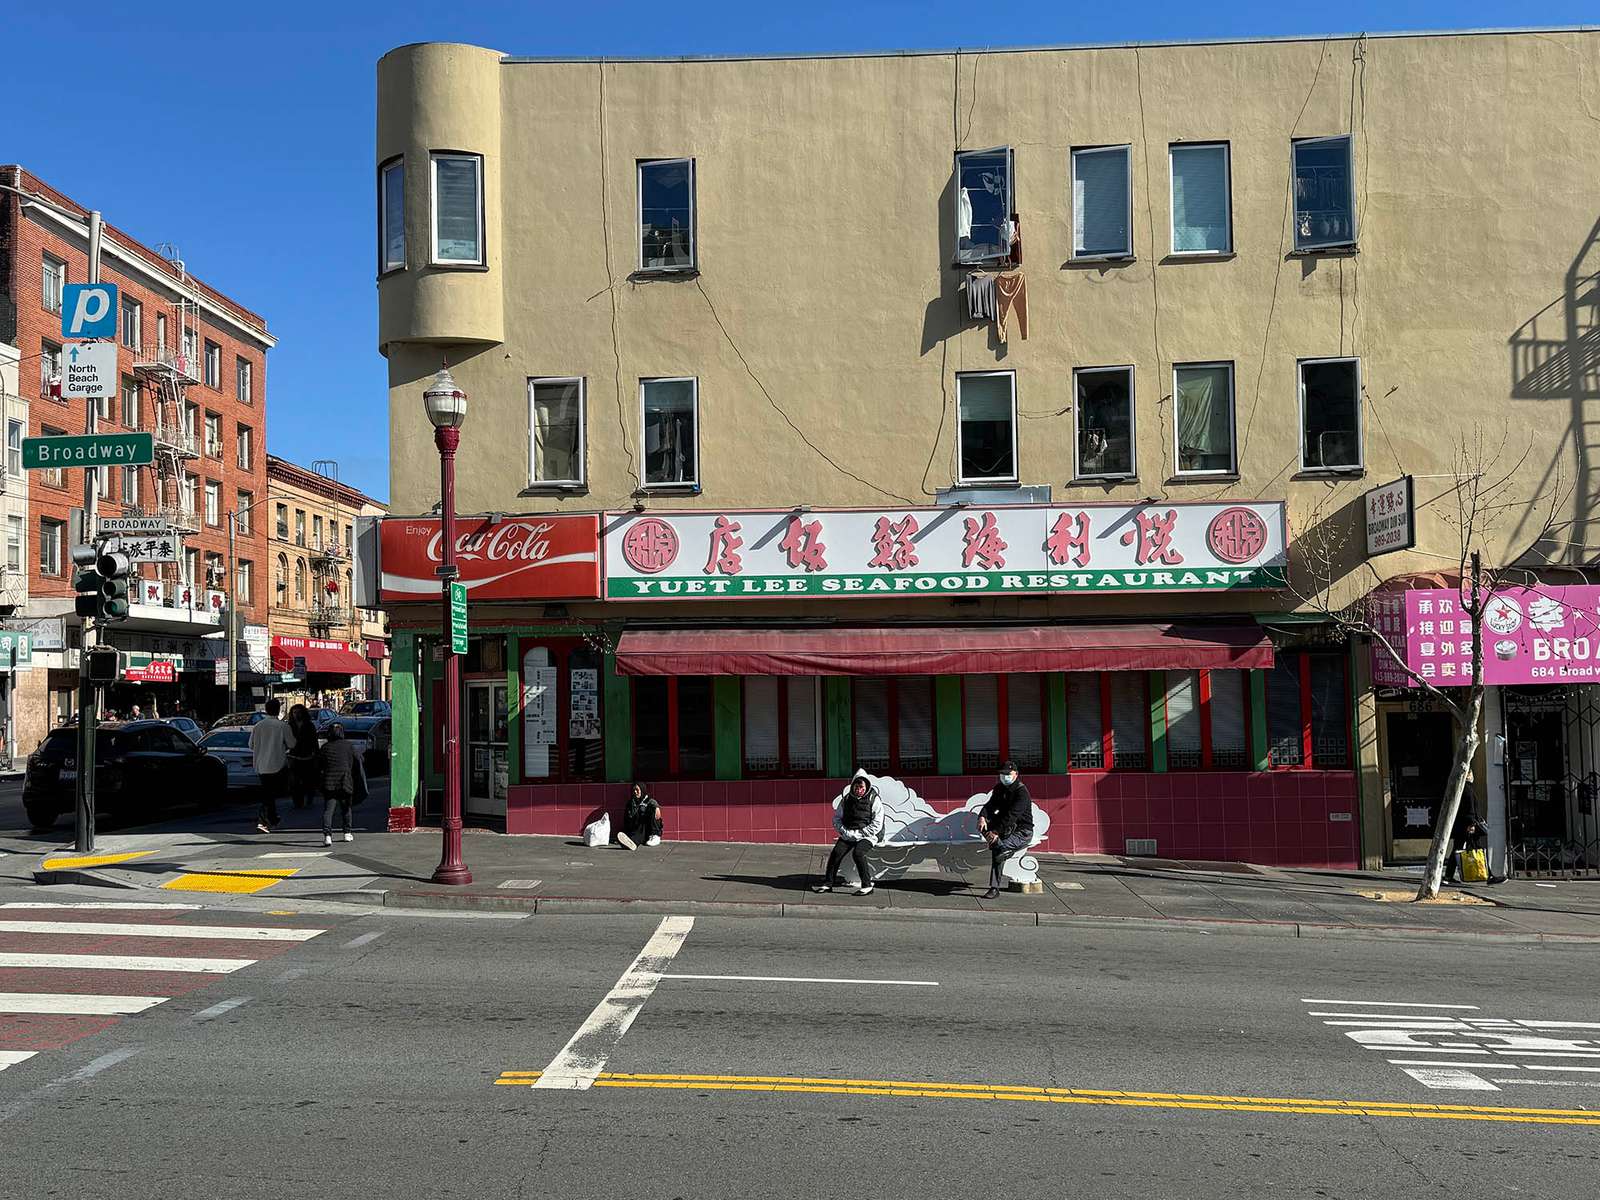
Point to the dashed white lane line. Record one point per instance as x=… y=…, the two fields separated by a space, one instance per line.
x=217 y=1009
x=229 y=933
x=297 y=854
x=10 y=1058
x=354 y=942
x=1445 y=1077
x=809 y=979
x=584 y=1056
x=60 y=1003
x=1390 y=1004
x=98 y=904
x=125 y=962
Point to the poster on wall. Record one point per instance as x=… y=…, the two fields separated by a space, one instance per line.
x=584 y=702
x=1019 y=549
x=539 y=706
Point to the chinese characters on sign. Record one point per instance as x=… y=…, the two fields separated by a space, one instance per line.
x=999 y=549
x=1391 y=517
x=1530 y=635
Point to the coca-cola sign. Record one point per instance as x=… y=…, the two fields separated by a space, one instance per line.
x=538 y=557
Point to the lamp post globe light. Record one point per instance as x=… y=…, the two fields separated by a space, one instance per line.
x=446 y=406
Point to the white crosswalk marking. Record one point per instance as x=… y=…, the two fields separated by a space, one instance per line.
x=10 y=1058
x=97 y=904
x=72 y=1004
x=125 y=962
x=228 y=933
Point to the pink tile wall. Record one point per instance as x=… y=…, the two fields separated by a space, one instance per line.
x=1277 y=818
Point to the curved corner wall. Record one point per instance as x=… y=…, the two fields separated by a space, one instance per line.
x=440 y=97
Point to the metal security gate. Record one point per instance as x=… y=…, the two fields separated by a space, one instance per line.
x=1552 y=781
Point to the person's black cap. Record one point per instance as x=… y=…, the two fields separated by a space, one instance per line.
x=1009 y=766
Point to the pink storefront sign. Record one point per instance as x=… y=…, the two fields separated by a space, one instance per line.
x=1530 y=635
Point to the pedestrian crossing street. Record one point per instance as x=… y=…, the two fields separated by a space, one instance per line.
x=71 y=970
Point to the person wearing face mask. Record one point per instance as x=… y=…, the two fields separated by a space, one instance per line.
x=859 y=820
x=1006 y=823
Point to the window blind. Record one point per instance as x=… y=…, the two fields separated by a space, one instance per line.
x=872 y=724
x=1183 y=719
x=1084 y=727
x=1025 y=720
x=1284 y=728
x=982 y=694
x=1230 y=747
x=914 y=695
x=1200 y=199
x=1330 y=721
x=761 y=723
x=1130 y=721
x=1100 y=201
x=805 y=721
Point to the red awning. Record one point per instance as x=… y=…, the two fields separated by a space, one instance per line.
x=972 y=650
x=320 y=660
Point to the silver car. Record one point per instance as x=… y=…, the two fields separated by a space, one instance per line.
x=232 y=746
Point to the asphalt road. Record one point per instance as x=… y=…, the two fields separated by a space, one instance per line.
x=364 y=1061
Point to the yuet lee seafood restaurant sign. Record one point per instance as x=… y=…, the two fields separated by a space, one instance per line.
x=1166 y=547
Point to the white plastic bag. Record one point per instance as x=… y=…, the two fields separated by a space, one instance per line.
x=598 y=831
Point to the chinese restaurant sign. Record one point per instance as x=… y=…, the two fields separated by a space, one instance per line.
x=1530 y=635
x=540 y=557
x=968 y=549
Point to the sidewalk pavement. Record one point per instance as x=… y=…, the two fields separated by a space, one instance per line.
x=558 y=874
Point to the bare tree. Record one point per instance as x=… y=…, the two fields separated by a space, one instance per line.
x=1333 y=548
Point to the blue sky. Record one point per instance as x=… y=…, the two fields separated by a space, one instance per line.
x=246 y=137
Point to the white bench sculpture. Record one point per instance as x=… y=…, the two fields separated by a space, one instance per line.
x=915 y=836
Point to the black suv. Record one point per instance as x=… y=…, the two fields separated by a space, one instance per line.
x=141 y=767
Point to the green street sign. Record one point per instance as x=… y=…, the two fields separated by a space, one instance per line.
x=458 y=617
x=88 y=450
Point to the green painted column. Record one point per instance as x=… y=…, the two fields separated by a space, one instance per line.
x=618 y=702
x=727 y=726
x=406 y=724
x=839 y=743
x=948 y=734
x=1258 y=720
x=430 y=671
x=1056 y=753
x=1158 y=720
x=514 y=710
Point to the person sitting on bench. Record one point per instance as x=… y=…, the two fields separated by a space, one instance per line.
x=859 y=820
x=1006 y=823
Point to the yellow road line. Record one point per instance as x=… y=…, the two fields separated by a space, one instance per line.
x=232 y=882
x=1299 y=1106
x=93 y=860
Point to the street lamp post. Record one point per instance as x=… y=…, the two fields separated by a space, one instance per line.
x=446 y=405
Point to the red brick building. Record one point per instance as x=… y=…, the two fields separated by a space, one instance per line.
x=192 y=367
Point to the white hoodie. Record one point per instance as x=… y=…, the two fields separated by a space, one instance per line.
x=874 y=827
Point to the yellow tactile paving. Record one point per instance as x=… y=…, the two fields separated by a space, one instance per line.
x=93 y=860
x=1292 y=1105
x=236 y=882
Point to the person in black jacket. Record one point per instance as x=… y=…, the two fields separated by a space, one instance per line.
x=1468 y=833
x=642 y=820
x=343 y=779
x=1006 y=823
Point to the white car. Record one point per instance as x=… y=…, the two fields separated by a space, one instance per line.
x=232 y=746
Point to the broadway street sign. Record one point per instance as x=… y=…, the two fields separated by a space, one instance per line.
x=88 y=450
x=1167 y=547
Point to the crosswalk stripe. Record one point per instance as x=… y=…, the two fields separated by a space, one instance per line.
x=241 y=933
x=125 y=962
x=98 y=904
x=10 y=1058
x=62 y=1003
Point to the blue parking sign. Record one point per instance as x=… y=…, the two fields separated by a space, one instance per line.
x=89 y=310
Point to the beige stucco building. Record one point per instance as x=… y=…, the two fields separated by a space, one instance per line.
x=1257 y=279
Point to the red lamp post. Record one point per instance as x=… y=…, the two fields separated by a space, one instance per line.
x=446 y=405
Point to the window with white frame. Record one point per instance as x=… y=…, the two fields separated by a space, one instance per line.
x=51 y=533
x=132 y=323
x=13 y=542
x=556 y=432
x=130 y=402
x=243 y=444
x=392 y=215
x=244 y=581
x=1104 y=422
x=102 y=482
x=281 y=524
x=242 y=379
x=161 y=332
x=1324 y=193
x=53 y=476
x=55 y=279
x=243 y=509
x=457 y=209
x=213 y=366
x=49 y=367
x=1202 y=219
x=666 y=214
x=986 y=402
x=213 y=502
x=1203 y=418
x=984 y=205
x=190 y=489
x=214 y=434
x=671 y=432
x=1330 y=414
x=14 y=436
x=1102 y=202
x=191 y=349
x=130 y=485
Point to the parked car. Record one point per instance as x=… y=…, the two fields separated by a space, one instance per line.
x=234 y=720
x=232 y=746
x=371 y=735
x=189 y=725
x=141 y=767
x=369 y=708
x=320 y=717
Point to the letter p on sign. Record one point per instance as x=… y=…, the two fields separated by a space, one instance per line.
x=89 y=310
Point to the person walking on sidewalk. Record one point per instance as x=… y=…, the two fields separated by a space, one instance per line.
x=859 y=820
x=343 y=780
x=1006 y=823
x=303 y=745
x=269 y=750
x=642 y=820
x=1469 y=832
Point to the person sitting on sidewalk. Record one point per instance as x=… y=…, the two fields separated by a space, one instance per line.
x=642 y=820
x=859 y=820
x=1006 y=824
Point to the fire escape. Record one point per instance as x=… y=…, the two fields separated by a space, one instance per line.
x=165 y=367
x=330 y=604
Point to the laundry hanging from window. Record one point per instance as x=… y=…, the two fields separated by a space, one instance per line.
x=984 y=230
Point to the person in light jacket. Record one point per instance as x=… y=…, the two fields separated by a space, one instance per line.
x=859 y=820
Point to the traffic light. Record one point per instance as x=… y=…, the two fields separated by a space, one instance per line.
x=102 y=664
x=101 y=582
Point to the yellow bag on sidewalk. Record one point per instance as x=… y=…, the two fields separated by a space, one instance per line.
x=1474 y=866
